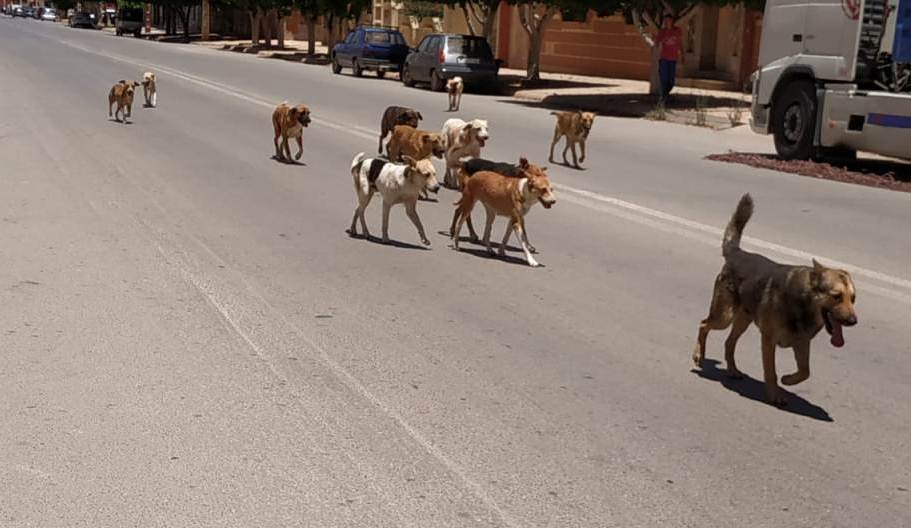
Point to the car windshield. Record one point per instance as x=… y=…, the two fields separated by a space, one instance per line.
x=384 y=37
x=475 y=48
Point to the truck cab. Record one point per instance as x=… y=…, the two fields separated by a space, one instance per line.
x=835 y=77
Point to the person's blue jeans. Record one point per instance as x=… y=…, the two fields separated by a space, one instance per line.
x=667 y=72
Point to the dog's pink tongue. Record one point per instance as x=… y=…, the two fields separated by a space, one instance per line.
x=838 y=338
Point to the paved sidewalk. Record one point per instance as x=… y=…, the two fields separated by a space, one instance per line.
x=613 y=97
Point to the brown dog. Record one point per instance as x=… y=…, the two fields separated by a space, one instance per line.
x=122 y=94
x=289 y=122
x=468 y=168
x=505 y=196
x=789 y=304
x=394 y=116
x=455 y=87
x=575 y=126
x=419 y=144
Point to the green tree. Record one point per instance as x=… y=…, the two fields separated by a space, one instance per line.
x=179 y=8
x=534 y=17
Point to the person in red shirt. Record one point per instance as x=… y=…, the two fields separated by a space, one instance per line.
x=670 y=39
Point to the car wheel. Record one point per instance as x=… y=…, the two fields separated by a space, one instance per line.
x=406 y=76
x=118 y=33
x=138 y=34
x=356 y=68
x=380 y=73
x=436 y=83
x=794 y=121
x=336 y=67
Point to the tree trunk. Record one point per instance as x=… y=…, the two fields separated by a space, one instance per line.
x=534 y=28
x=268 y=27
x=311 y=35
x=281 y=32
x=533 y=68
x=330 y=31
x=254 y=27
x=654 y=79
x=185 y=20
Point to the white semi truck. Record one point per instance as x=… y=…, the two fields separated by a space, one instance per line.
x=835 y=78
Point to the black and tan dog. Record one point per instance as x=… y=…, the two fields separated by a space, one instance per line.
x=395 y=116
x=289 y=122
x=575 y=126
x=789 y=304
x=122 y=94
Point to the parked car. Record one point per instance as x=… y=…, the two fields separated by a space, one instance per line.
x=82 y=19
x=49 y=14
x=27 y=12
x=443 y=56
x=370 y=48
x=129 y=20
x=18 y=11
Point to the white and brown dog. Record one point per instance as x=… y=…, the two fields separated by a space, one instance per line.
x=396 y=183
x=150 y=89
x=505 y=196
x=455 y=87
x=122 y=94
x=462 y=139
x=289 y=122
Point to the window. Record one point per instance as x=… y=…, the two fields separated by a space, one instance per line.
x=424 y=46
x=350 y=38
x=474 y=48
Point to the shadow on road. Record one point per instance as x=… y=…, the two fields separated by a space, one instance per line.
x=509 y=259
x=635 y=105
x=391 y=243
x=755 y=390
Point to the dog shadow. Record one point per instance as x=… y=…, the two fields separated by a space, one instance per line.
x=569 y=165
x=284 y=161
x=482 y=253
x=147 y=105
x=392 y=243
x=429 y=200
x=480 y=243
x=754 y=389
x=119 y=121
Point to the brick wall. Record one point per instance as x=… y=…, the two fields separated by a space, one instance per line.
x=599 y=46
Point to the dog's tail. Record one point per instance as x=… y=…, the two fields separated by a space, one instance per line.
x=734 y=231
x=357 y=162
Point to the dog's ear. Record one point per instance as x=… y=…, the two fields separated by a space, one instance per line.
x=523 y=163
x=817 y=266
x=420 y=117
x=427 y=139
x=293 y=112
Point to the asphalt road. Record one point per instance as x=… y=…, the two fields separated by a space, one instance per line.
x=191 y=339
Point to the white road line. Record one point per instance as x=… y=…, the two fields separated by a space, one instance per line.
x=658 y=217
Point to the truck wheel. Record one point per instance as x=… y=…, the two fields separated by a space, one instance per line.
x=336 y=67
x=380 y=73
x=356 y=68
x=794 y=121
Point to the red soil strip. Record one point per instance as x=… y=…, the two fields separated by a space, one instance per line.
x=883 y=174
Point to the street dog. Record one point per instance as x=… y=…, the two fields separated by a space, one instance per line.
x=575 y=126
x=122 y=94
x=789 y=304
x=289 y=122
x=469 y=167
x=418 y=144
x=150 y=89
x=505 y=196
x=462 y=139
x=396 y=184
x=455 y=87
x=394 y=116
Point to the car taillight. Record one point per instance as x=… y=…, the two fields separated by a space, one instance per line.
x=441 y=57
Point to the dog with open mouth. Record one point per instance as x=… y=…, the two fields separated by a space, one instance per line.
x=789 y=304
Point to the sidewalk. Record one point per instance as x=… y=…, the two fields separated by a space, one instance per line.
x=714 y=109
x=630 y=98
